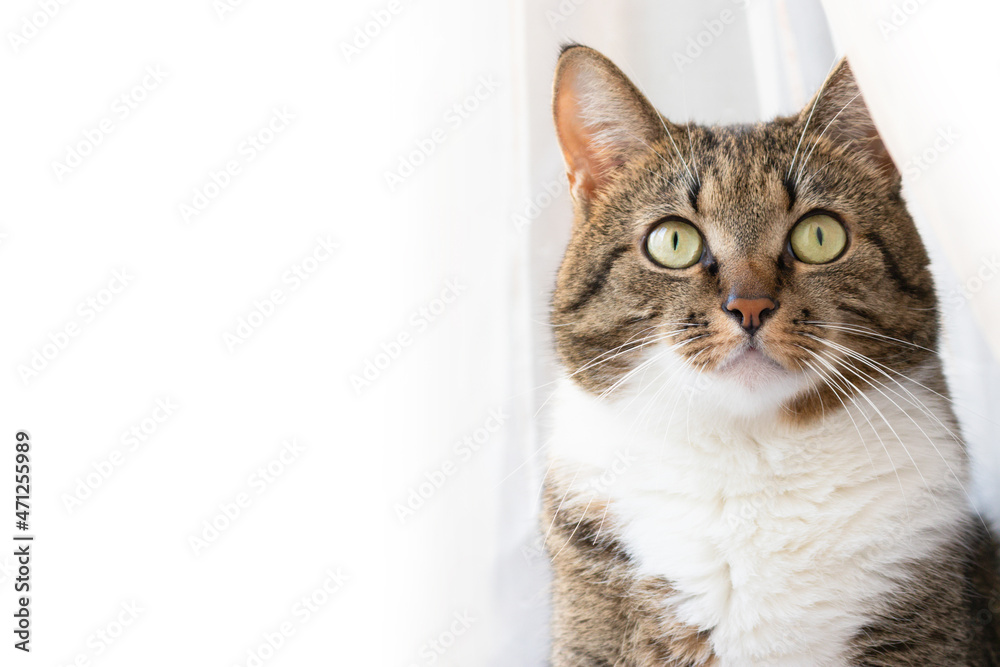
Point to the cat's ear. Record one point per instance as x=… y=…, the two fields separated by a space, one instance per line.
x=601 y=118
x=838 y=111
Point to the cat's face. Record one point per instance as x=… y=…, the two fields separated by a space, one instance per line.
x=763 y=265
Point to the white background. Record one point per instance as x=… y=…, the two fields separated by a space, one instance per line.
x=470 y=550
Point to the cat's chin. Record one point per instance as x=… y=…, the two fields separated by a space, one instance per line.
x=750 y=382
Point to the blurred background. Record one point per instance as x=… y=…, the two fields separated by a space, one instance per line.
x=276 y=280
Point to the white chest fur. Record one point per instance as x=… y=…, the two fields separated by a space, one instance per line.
x=780 y=540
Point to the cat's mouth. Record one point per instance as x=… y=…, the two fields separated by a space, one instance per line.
x=751 y=366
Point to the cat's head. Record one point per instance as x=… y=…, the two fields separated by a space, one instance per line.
x=763 y=266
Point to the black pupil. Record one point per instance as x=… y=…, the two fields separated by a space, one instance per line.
x=819 y=235
x=675 y=240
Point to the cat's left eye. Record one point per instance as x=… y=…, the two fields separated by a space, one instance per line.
x=818 y=239
x=674 y=244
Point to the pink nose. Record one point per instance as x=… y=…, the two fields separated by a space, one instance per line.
x=750 y=312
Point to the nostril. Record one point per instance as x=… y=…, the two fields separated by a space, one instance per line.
x=766 y=309
x=750 y=311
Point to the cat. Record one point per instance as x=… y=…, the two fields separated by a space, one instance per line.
x=754 y=460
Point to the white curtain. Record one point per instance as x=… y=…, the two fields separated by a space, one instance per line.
x=929 y=72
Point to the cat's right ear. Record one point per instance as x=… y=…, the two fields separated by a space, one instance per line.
x=601 y=118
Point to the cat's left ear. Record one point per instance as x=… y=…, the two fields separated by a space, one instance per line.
x=601 y=118
x=838 y=111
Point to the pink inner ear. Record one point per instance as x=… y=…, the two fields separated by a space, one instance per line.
x=582 y=158
x=589 y=145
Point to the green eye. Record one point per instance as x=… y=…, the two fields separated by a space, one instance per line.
x=674 y=244
x=818 y=239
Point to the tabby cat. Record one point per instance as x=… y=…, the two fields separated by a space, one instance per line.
x=754 y=460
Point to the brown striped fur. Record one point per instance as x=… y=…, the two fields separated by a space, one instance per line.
x=602 y=611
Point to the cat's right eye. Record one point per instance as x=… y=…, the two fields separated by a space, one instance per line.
x=674 y=244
